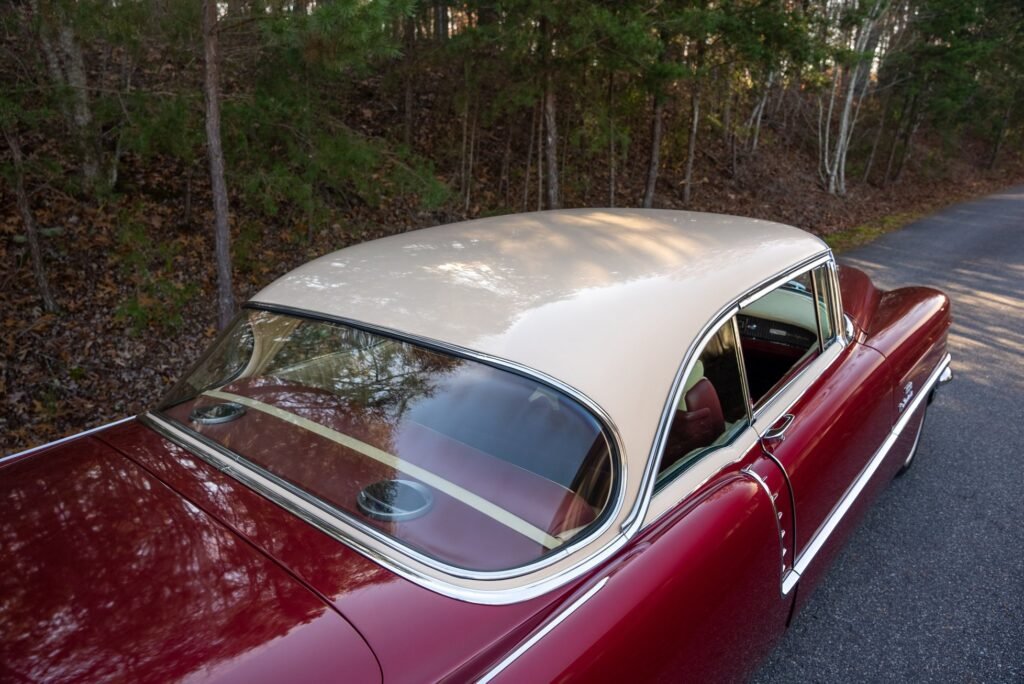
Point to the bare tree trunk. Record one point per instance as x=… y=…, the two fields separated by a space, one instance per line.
x=908 y=125
x=25 y=209
x=755 y=117
x=908 y=142
x=441 y=19
x=835 y=167
x=472 y=156
x=692 y=144
x=878 y=137
x=82 y=112
x=409 y=38
x=611 y=139
x=549 y=117
x=67 y=69
x=504 y=185
x=540 y=154
x=727 y=116
x=551 y=147
x=529 y=162
x=654 y=162
x=462 y=148
x=1000 y=137
x=222 y=235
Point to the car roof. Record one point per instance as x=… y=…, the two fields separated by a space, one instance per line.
x=607 y=301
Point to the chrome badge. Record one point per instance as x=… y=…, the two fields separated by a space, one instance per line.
x=908 y=394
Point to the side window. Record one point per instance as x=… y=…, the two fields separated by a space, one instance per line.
x=712 y=406
x=784 y=330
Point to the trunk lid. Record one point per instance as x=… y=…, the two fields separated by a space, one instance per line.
x=107 y=574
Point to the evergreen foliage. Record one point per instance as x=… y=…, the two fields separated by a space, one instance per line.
x=325 y=101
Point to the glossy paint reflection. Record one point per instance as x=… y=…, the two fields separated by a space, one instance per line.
x=106 y=574
x=418 y=635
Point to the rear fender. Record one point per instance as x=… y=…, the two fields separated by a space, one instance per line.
x=910 y=327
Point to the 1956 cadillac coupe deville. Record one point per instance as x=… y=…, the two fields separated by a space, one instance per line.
x=593 y=444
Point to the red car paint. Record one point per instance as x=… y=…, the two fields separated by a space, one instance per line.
x=109 y=575
x=127 y=557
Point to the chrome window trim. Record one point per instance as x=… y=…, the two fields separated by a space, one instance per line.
x=817 y=311
x=62 y=440
x=689 y=359
x=845 y=331
x=320 y=515
x=743 y=371
x=821 y=536
x=831 y=310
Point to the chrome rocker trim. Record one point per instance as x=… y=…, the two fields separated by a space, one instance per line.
x=940 y=375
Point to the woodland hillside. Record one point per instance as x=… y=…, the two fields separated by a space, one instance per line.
x=164 y=159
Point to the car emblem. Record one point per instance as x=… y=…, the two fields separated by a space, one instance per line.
x=908 y=394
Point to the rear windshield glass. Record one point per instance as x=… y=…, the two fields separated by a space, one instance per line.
x=475 y=466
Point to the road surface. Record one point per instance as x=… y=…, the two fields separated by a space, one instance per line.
x=931 y=586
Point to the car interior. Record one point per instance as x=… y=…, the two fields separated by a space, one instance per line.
x=778 y=337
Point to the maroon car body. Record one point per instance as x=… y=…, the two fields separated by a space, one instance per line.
x=127 y=556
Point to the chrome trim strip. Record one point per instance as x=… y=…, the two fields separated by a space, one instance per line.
x=778 y=518
x=789 y=581
x=542 y=632
x=947 y=376
x=62 y=440
x=799 y=269
x=835 y=517
x=743 y=372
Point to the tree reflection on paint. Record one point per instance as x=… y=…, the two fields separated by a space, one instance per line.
x=106 y=574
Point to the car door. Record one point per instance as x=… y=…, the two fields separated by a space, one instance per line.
x=820 y=419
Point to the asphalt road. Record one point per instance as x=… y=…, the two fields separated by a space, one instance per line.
x=931 y=586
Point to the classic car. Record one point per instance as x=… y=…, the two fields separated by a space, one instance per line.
x=587 y=444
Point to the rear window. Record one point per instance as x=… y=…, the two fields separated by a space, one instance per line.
x=473 y=465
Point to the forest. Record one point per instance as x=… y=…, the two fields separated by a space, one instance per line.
x=164 y=159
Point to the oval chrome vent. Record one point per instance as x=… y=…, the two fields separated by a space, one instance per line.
x=212 y=414
x=394 y=500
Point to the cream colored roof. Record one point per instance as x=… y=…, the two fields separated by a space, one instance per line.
x=605 y=300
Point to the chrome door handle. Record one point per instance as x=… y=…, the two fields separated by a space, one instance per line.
x=778 y=429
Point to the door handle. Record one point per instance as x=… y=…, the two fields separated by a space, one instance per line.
x=778 y=429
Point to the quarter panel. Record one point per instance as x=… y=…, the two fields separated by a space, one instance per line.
x=699 y=600
x=910 y=329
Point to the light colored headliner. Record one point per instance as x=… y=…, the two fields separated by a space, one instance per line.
x=605 y=300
